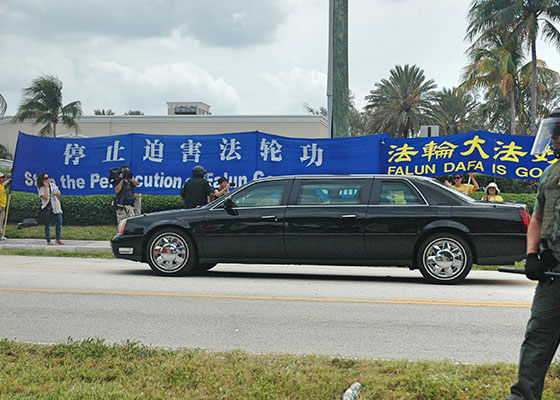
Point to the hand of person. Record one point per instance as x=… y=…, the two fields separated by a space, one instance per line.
x=447 y=182
x=534 y=267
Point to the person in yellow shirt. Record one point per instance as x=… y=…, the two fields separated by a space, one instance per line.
x=464 y=187
x=3 y=183
x=492 y=193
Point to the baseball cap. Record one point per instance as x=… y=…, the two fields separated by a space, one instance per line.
x=2 y=175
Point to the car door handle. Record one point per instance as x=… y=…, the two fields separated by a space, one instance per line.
x=348 y=216
x=273 y=217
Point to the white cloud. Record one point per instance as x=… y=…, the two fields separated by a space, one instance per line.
x=239 y=56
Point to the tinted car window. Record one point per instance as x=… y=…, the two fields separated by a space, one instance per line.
x=398 y=193
x=343 y=192
x=260 y=194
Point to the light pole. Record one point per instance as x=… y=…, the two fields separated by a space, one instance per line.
x=337 y=84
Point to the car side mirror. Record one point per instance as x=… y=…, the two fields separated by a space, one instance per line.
x=229 y=206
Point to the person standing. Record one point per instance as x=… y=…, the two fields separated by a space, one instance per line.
x=492 y=193
x=127 y=203
x=196 y=190
x=223 y=188
x=49 y=192
x=463 y=187
x=3 y=183
x=542 y=334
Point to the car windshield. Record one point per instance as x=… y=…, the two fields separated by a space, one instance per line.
x=463 y=196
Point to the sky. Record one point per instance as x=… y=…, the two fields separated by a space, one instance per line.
x=242 y=57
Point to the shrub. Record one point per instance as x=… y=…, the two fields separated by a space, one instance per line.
x=507 y=185
x=85 y=210
x=524 y=198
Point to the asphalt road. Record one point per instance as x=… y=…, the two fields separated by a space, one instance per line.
x=387 y=313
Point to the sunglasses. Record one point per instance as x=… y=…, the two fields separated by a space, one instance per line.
x=457 y=177
x=45 y=177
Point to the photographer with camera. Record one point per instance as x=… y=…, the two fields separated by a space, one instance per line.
x=126 y=202
x=223 y=188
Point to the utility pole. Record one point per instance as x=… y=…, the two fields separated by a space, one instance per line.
x=337 y=85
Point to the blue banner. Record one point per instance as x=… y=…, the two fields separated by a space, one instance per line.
x=481 y=152
x=161 y=163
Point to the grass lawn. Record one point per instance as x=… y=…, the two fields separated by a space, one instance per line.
x=92 y=369
x=96 y=232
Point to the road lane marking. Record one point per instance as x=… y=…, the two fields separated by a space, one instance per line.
x=459 y=303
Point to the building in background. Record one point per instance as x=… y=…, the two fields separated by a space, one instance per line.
x=295 y=126
x=187 y=108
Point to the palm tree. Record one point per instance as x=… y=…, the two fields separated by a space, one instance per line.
x=547 y=91
x=525 y=19
x=102 y=111
x=42 y=102
x=401 y=103
x=3 y=106
x=4 y=153
x=496 y=61
x=452 y=110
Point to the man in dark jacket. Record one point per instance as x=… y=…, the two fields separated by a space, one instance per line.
x=196 y=190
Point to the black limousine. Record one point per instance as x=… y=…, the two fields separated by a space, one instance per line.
x=337 y=220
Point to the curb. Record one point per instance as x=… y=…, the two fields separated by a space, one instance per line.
x=39 y=244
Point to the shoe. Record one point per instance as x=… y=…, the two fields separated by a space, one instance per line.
x=50 y=244
x=3 y=237
x=60 y=242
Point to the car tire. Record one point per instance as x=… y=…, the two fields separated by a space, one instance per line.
x=444 y=258
x=171 y=252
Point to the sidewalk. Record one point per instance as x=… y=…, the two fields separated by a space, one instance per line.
x=74 y=246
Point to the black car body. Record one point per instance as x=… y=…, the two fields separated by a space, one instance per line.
x=337 y=220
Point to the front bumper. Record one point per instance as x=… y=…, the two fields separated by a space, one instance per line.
x=129 y=247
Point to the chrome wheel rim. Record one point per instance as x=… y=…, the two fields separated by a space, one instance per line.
x=445 y=259
x=169 y=252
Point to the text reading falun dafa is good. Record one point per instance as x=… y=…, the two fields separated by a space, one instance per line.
x=481 y=152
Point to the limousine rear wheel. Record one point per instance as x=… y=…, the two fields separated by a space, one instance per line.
x=444 y=258
x=171 y=252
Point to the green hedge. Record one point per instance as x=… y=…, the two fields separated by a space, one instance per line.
x=85 y=210
x=524 y=198
x=96 y=209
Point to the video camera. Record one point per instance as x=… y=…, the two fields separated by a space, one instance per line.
x=115 y=173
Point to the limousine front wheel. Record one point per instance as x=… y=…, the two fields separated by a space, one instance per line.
x=444 y=258
x=171 y=252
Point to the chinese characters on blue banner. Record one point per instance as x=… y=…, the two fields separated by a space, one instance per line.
x=480 y=152
x=162 y=163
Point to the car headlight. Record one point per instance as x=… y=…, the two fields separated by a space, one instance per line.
x=120 y=227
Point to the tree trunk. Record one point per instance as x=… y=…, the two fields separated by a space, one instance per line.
x=534 y=86
x=54 y=129
x=512 y=110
